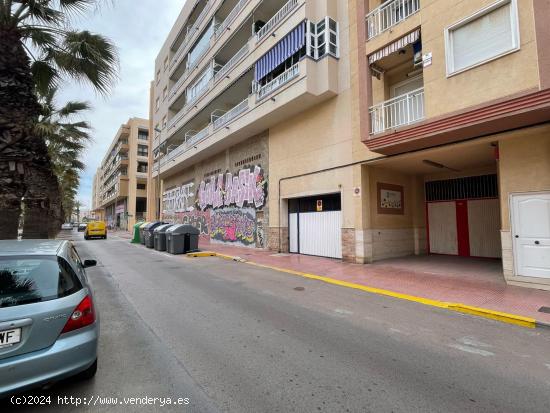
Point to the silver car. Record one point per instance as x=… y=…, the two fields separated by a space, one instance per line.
x=49 y=327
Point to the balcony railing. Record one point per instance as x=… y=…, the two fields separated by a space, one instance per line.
x=191 y=30
x=220 y=120
x=231 y=63
x=230 y=17
x=389 y=14
x=285 y=77
x=276 y=19
x=399 y=111
x=193 y=137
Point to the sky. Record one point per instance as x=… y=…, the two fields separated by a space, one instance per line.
x=138 y=29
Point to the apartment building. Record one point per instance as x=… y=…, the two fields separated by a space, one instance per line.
x=360 y=129
x=119 y=192
x=248 y=93
x=456 y=96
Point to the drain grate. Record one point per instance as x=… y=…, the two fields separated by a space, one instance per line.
x=544 y=310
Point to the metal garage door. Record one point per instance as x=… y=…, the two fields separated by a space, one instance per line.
x=315 y=226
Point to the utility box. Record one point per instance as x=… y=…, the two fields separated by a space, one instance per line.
x=181 y=239
x=159 y=235
x=148 y=232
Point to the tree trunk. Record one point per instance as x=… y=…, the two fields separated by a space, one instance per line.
x=20 y=148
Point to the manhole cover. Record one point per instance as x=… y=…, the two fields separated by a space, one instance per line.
x=544 y=310
x=299 y=288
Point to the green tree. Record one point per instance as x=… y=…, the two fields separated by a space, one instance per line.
x=39 y=48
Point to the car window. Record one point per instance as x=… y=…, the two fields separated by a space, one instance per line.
x=25 y=280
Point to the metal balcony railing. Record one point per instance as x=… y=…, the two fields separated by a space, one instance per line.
x=230 y=17
x=399 y=111
x=231 y=63
x=191 y=31
x=219 y=121
x=389 y=14
x=285 y=77
x=276 y=19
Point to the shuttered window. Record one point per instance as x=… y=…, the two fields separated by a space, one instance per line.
x=487 y=35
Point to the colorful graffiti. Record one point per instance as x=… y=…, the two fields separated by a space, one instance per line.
x=197 y=219
x=234 y=225
x=248 y=188
x=179 y=199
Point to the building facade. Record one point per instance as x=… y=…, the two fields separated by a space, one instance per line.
x=359 y=130
x=456 y=97
x=119 y=195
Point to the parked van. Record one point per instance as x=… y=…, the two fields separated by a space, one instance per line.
x=96 y=229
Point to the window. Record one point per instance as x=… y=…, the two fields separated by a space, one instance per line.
x=143 y=135
x=26 y=280
x=200 y=84
x=157 y=104
x=157 y=128
x=158 y=76
x=164 y=93
x=142 y=150
x=142 y=167
x=485 y=36
x=322 y=39
x=164 y=122
x=201 y=46
x=141 y=186
x=165 y=63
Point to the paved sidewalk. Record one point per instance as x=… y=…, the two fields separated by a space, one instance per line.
x=474 y=282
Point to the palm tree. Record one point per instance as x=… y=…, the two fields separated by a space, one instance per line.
x=66 y=136
x=39 y=49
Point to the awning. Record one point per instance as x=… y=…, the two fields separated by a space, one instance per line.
x=395 y=46
x=289 y=45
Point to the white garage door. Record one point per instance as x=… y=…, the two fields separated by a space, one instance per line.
x=318 y=233
x=442 y=228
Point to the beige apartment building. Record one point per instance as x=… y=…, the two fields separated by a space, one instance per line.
x=359 y=130
x=119 y=191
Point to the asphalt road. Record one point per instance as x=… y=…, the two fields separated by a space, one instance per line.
x=237 y=338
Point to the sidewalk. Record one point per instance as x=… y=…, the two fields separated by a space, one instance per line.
x=473 y=282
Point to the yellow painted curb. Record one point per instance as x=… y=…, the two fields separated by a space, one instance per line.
x=457 y=307
x=201 y=254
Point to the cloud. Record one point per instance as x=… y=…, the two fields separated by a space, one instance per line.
x=139 y=30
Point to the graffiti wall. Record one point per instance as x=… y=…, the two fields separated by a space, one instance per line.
x=234 y=225
x=224 y=196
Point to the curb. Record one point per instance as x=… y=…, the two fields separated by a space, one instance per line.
x=456 y=307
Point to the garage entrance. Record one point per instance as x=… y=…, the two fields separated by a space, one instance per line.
x=463 y=216
x=315 y=225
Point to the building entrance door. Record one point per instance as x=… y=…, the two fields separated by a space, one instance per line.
x=531 y=234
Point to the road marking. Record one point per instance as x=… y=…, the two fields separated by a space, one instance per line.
x=471 y=341
x=342 y=311
x=547 y=365
x=472 y=350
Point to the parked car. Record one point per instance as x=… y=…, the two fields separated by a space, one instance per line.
x=82 y=227
x=67 y=225
x=95 y=229
x=49 y=326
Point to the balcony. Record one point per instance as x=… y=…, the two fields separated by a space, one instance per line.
x=388 y=15
x=230 y=18
x=279 y=81
x=213 y=129
x=400 y=111
x=276 y=19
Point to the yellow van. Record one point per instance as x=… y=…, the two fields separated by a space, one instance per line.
x=96 y=229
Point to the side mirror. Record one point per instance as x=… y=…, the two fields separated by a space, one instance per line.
x=90 y=263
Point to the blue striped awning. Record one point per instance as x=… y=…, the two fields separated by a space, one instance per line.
x=289 y=45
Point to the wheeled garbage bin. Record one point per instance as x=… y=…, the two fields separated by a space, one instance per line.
x=148 y=232
x=181 y=239
x=141 y=232
x=159 y=235
x=135 y=237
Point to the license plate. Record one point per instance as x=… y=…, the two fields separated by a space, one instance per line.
x=10 y=337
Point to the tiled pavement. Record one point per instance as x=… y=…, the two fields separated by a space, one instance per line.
x=470 y=281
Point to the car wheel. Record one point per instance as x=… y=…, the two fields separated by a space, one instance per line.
x=86 y=237
x=89 y=373
x=105 y=236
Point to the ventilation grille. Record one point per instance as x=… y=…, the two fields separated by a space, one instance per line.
x=471 y=187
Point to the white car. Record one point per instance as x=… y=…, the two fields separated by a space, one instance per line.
x=67 y=225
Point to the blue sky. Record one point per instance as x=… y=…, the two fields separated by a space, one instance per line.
x=138 y=28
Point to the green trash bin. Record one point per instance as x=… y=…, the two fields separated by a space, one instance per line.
x=135 y=238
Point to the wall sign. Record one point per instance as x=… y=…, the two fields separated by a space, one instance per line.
x=390 y=199
x=179 y=199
